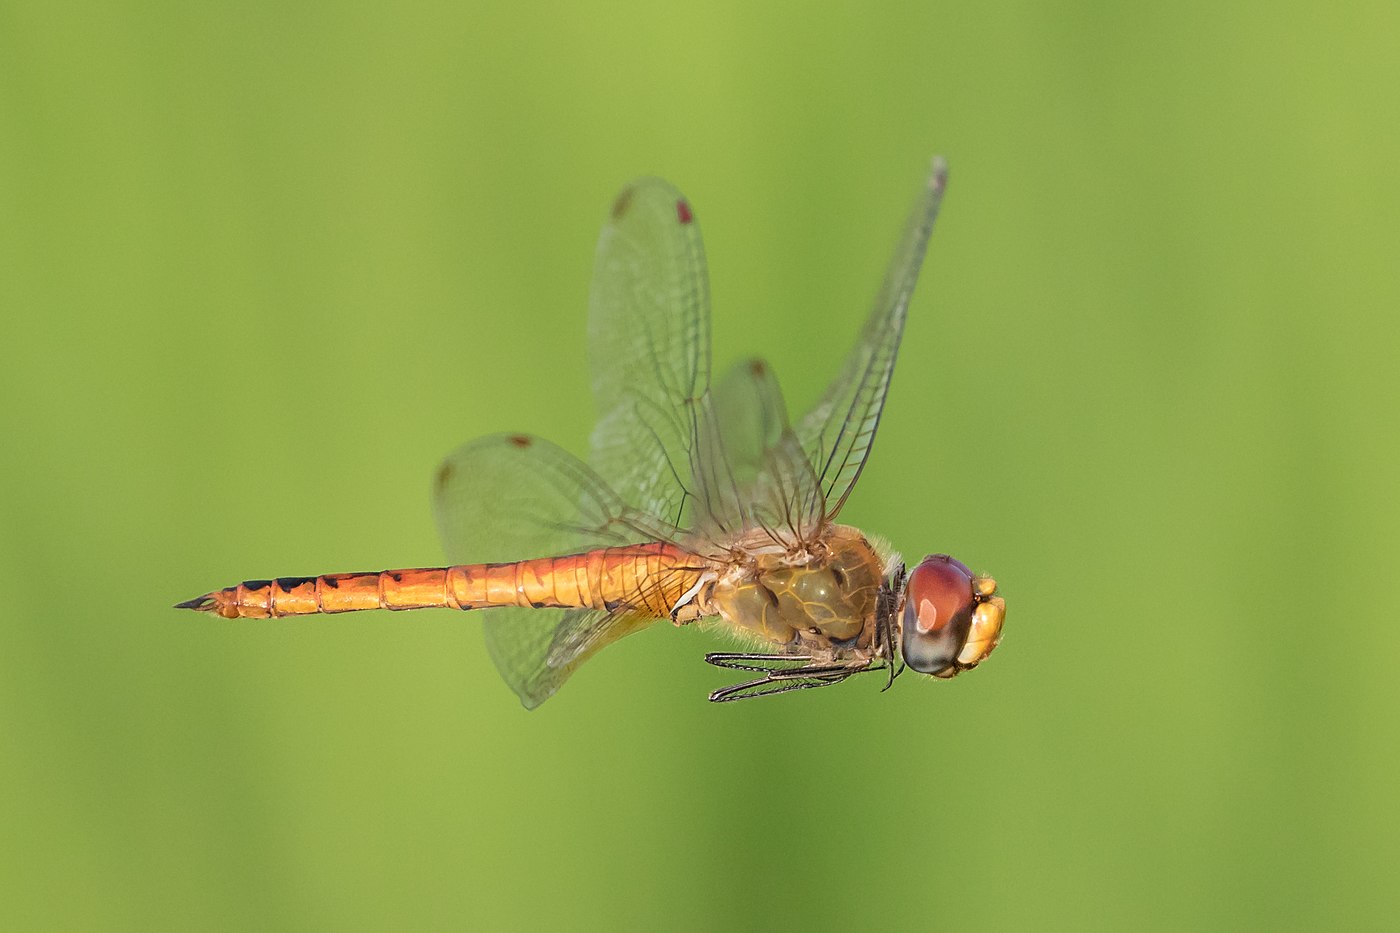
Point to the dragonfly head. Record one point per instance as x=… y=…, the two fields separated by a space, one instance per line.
x=951 y=618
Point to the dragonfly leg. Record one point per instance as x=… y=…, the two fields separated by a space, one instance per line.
x=886 y=607
x=743 y=661
x=772 y=687
x=778 y=680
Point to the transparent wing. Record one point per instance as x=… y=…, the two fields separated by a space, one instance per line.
x=838 y=431
x=750 y=470
x=513 y=497
x=649 y=347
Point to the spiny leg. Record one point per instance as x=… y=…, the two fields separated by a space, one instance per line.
x=886 y=607
x=743 y=661
x=780 y=679
x=768 y=686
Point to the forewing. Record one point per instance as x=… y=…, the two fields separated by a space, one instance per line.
x=750 y=471
x=838 y=431
x=649 y=347
x=513 y=497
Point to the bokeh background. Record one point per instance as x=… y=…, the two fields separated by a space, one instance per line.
x=262 y=265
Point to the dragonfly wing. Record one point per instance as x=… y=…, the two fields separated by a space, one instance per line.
x=750 y=470
x=536 y=650
x=649 y=347
x=510 y=497
x=838 y=431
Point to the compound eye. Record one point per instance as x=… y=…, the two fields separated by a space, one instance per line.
x=938 y=606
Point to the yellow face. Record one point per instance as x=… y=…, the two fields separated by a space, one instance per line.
x=952 y=617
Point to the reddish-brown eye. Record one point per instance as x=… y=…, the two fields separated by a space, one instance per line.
x=938 y=604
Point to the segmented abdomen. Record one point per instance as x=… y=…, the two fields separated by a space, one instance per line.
x=647 y=579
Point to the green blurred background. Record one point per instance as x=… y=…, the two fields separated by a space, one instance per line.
x=262 y=265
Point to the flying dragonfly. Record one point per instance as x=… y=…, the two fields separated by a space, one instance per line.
x=699 y=500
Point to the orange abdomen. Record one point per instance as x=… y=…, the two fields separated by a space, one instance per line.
x=648 y=579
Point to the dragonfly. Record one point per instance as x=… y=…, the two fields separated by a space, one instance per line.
x=700 y=501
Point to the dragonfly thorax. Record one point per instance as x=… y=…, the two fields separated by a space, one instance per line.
x=818 y=601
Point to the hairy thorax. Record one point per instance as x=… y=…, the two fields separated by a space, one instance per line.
x=819 y=600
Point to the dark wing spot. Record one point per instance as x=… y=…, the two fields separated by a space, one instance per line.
x=521 y=440
x=253 y=586
x=623 y=202
x=683 y=213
